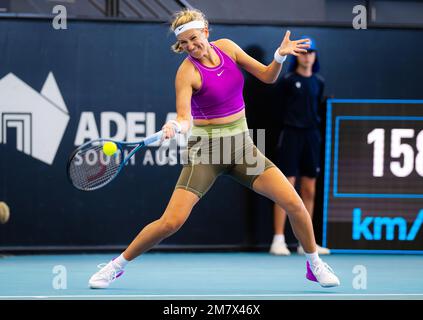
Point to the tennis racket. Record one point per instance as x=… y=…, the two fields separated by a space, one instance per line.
x=89 y=168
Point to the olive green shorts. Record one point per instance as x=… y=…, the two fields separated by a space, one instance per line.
x=216 y=150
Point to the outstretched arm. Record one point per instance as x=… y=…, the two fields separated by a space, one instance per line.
x=183 y=88
x=270 y=73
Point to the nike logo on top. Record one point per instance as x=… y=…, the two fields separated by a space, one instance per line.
x=220 y=73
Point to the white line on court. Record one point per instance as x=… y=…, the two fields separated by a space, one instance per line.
x=221 y=296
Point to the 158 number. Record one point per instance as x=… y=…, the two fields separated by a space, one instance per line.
x=398 y=149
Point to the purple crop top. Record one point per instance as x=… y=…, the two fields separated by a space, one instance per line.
x=220 y=94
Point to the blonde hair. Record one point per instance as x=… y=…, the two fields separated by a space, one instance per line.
x=185 y=16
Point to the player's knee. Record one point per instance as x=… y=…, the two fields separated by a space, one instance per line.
x=293 y=206
x=170 y=226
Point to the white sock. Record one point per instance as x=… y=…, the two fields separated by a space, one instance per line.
x=121 y=261
x=279 y=238
x=313 y=258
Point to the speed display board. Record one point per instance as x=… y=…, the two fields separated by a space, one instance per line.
x=373 y=178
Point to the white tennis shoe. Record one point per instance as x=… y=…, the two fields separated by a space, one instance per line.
x=323 y=274
x=106 y=275
x=279 y=248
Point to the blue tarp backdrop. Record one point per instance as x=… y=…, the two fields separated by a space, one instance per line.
x=61 y=87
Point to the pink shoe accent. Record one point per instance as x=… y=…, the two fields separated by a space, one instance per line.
x=309 y=275
x=120 y=272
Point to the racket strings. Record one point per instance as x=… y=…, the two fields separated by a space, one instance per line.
x=90 y=168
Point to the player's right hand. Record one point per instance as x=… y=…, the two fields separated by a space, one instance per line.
x=169 y=130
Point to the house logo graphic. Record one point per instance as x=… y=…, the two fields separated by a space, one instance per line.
x=39 y=119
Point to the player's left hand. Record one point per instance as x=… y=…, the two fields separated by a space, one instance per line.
x=294 y=47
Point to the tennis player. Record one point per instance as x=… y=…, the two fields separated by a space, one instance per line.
x=209 y=88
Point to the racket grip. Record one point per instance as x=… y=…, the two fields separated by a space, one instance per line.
x=176 y=125
x=153 y=138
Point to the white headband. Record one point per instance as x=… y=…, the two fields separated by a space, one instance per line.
x=190 y=25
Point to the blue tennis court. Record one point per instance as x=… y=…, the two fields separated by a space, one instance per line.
x=205 y=276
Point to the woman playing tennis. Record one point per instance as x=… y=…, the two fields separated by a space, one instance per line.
x=209 y=89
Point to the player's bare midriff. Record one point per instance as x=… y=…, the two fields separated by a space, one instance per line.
x=224 y=120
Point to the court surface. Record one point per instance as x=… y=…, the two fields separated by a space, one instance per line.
x=211 y=276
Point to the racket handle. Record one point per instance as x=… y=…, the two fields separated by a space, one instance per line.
x=153 y=138
x=176 y=125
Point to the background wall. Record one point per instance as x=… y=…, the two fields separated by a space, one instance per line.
x=128 y=67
